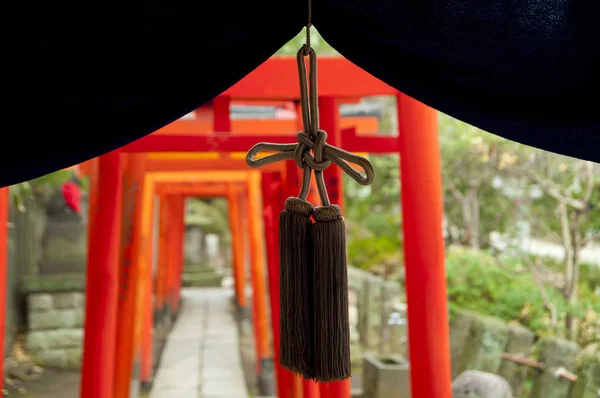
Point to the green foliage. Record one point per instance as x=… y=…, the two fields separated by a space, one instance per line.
x=39 y=188
x=377 y=250
x=589 y=275
x=316 y=41
x=211 y=214
x=468 y=159
x=374 y=220
x=477 y=282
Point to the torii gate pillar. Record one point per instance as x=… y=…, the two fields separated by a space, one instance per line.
x=422 y=211
x=4 y=195
x=97 y=375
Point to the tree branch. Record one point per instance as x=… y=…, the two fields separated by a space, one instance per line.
x=556 y=279
x=540 y=226
x=544 y=274
x=591 y=181
x=505 y=267
x=455 y=192
x=568 y=246
x=545 y=298
x=590 y=239
x=553 y=190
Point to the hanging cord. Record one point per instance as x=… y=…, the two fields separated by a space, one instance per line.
x=308 y=26
x=312 y=139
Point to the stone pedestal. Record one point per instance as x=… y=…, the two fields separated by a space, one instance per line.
x=385 y=376
x=55 y=336
x=193 y=245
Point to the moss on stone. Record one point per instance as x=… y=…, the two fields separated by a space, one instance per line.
x=53 y=283
x=588 y=373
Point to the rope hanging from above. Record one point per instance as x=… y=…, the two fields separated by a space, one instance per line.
x=315 y=331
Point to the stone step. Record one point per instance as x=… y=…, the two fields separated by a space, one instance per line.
x=201 y=280
x=197 y=269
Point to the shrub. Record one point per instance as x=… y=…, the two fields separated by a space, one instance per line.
x=476 y=282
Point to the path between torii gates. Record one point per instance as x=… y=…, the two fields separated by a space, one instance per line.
x=201 y=357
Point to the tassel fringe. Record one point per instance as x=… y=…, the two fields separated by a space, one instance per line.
x=295 y=248
x=331 y=331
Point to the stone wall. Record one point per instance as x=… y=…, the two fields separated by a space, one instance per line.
x=22 y=240
x=47 y=280
x=478 y=343
x=55 y=336
x=193 y=247
x=377 y=318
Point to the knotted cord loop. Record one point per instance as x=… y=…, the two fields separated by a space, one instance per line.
x=311 y=152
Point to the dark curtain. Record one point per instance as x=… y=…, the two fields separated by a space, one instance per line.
x=82 y=77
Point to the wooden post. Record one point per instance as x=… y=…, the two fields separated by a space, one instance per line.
x=164 y=256
x=92 y=174
x=237 y=245
x=124 y=353
x=428 y=329
x=313 y=193
x=144 y=330
x=336 y=389
x=179 y=231
x=259 y=292
x=291 y=187
x=311 y=389
x=330 y=116
x=102 y=288
x=221 y=114
x=4 y=199
x=330 y=122
x=272 y=207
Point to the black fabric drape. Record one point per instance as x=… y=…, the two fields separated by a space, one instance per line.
x=82 y=78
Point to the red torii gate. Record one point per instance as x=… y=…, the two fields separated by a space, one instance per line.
x=421 y=201
x=417 y=143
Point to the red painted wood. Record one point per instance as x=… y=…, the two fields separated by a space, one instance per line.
x=131 y=217
x=277 y=79
x=175 y=294
x=4 y=200
x=242 y=143
x=338 y=389
x=102 y=284
x=224 y=163
x=165 y=267
x=330 y=116
x=221 y=114
x=207 y=125
x=310 y=389
x=428 y=334
x=370 y=143
x=272 y=206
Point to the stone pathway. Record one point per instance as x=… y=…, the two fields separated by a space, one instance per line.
x=201 y=357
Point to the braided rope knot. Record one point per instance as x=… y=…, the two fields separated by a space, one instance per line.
x=311 y=152
x=302 y=153
x=302 y=156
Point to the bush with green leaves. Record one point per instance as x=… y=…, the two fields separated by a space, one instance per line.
x=478 y=282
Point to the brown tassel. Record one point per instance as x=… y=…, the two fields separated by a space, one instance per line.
x=315 y=330
x=331 y=338
x=295 y=249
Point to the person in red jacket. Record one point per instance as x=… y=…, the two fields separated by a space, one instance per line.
x=71 y=191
